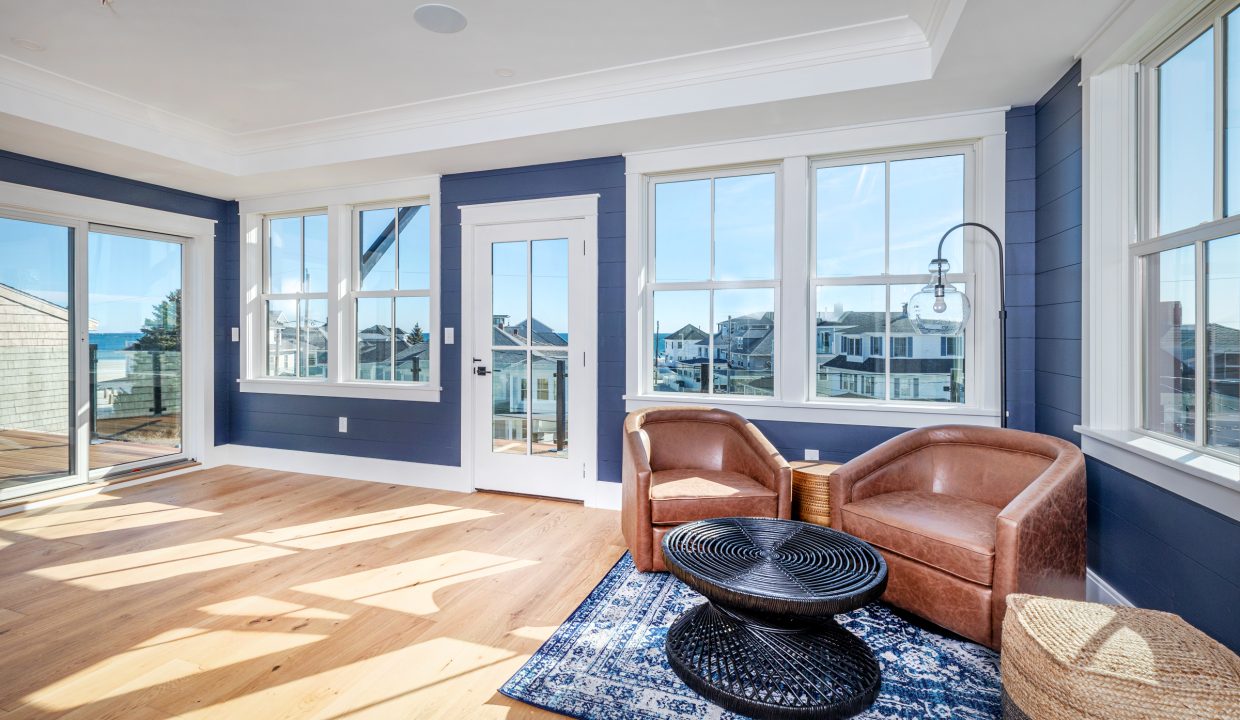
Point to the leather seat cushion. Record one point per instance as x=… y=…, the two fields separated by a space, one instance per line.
x=950 y=533
x=680 y=496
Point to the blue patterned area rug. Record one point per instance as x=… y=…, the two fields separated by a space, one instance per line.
x=606 y=661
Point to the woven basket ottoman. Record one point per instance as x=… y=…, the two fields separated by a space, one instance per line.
x=1071 y=659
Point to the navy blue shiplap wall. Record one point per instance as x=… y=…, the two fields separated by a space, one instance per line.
x=1058 y=259
x=1161 y=551
x=34 y=172
x=1019 y=244
x=430 y=432
x=1154 y=547
x=604 y=176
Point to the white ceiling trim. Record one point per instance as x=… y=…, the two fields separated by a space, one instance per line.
x=885 y=52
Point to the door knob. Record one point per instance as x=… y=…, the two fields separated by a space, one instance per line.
x=481 y=370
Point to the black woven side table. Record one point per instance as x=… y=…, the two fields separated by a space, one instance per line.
x=766 y=644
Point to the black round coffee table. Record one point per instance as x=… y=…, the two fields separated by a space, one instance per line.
x=765 y=644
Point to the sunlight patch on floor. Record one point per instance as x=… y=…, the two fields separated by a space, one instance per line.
x=73 y=523
x=387 y=529
x=383 y=686
x=259 y=606
x=149 y=665
x=161 y=564
x=531 y=632
x=410 y=587
x=297 y=532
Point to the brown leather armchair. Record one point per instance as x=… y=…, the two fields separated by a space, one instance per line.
x=691 y=463
x=966 y=515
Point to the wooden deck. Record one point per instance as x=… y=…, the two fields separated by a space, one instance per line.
x=26 y=454
x=241 y=593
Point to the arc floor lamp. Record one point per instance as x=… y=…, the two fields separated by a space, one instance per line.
x=940 y=308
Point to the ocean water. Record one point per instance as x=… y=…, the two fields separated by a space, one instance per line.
x=110 y=353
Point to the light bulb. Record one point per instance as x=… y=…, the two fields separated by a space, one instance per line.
x=939 y=306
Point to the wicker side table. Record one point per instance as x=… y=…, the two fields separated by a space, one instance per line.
x=811 y=500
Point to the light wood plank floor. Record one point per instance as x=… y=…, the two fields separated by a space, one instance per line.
x=240 y=593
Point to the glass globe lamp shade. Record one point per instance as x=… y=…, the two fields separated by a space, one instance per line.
x=938 y=310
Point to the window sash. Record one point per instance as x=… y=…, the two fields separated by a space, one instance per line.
x=774 y=283
x=268 y=296
x=351 y=344
x=1151 y=243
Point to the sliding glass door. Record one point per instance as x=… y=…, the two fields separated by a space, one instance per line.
x=90 y=352
x=134 y=305
x=37 y=429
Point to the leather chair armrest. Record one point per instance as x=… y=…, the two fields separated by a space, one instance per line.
x=635 y=494
x=1040 y=537
x=874 y=472
x=776 y=473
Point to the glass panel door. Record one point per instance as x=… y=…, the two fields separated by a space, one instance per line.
x=37 y=438
x=134 y=304
x=529 y=343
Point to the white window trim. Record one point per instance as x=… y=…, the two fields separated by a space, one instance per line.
x=341 y=205
x=198 y=285
x=1111 y=424
x=984 y=130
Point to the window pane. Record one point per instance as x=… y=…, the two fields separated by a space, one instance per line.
x=745 y=227
x=312 y=346
x=682 y=231
x=549 y=408
x=549 y=292
x=932 y=366
x=927 y=198
x=1232 y=129
x=284 y=255
x=413 y=322
x=1186 y=136
x=681 y=343
x=1223 y=343
x=374 y=338
x=509 y=293
x=415 y=247
x=509 y=406
x=282 y=338
x=851 y=219
x=744 y=342
x=377 y=259
x=36 y=341
x=848 y=317
x=316 y=253
x=1170 y=356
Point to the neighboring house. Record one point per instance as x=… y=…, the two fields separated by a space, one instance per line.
x=283 y=343
x=687 y=343
x=539 y=396
x=852 y=359
x=34 y=363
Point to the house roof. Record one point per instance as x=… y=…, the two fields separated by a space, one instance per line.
x=688 y=332
x=901 y=366
x=857 y=322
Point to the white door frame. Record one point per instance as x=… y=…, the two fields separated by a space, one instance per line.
x=576 y=207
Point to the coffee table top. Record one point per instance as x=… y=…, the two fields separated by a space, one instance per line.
x=775 y=566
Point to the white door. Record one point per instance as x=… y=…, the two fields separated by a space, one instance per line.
x=533 y=353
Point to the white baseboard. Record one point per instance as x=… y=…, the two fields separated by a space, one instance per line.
x=1098 y=590
x=604 y=495
x=394 y=472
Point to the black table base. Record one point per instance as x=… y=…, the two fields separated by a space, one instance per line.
x=773 y=666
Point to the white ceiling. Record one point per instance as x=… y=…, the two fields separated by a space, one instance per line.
x=239 y=97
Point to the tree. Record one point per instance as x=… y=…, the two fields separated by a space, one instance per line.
x=415 y=336
x=162 y=329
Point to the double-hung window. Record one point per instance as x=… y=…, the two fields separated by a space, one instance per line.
x=714 y=282
x=392 y=292
x=294 y=297
x=1189 y=252
x=876 y=224
x=342 y=299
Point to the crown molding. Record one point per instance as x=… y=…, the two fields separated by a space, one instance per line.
x=884 y=52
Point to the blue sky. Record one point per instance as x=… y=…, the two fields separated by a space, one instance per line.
x=547 y=261
x=128 y=276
